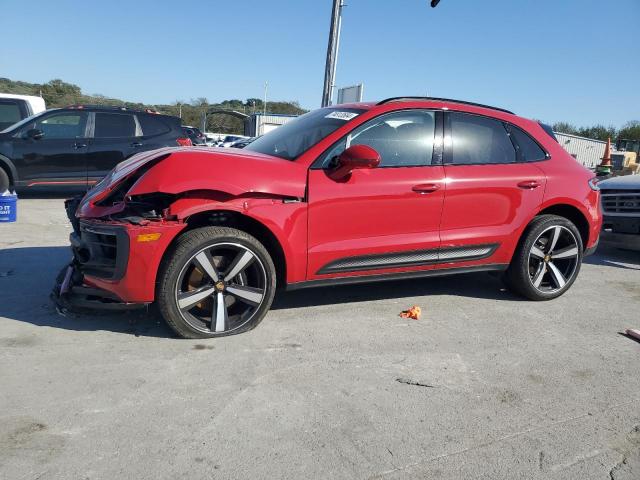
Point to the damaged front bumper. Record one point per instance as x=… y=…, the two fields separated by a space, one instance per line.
x=111 y=267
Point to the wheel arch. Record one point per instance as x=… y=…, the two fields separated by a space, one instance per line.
x=248 y=224
x=573 y=214
x=7 y=165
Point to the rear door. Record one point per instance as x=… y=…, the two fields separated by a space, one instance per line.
x=116 y=136
x=58 y=157
x=491 y=190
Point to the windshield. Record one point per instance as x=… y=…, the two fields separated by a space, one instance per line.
x=297 y=136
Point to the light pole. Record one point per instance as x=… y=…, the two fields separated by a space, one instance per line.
x=332 y=50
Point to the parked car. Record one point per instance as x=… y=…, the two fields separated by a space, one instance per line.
x=194 y=134
x=230 y=139
x=243 y=142
x=621 y=209
x=14 y=108
x=70 y=148
x=403 y=188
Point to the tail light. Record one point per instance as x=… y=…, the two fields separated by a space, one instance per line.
x=184 y=141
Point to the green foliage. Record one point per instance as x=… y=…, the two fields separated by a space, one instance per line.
x=58 y=93
x=630 y=130
x=565 y=127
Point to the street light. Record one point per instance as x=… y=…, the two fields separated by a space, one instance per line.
x=332 y=50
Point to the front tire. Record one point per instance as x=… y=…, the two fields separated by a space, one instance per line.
x=4 y=181
x=548 y=259
x=215 y=281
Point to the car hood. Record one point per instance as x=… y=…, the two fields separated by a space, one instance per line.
x=627 y=182
x=176 y=170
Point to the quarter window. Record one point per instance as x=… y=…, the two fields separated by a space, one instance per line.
x=403 y=139
x=479 y=140
x=114 y=125
x=529 y=150
x=152 y=125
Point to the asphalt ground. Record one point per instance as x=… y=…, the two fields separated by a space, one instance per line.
x=332 y=384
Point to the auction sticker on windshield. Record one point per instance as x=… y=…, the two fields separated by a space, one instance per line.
x=341 y=115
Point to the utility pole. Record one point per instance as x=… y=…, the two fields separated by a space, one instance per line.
x=264 y=103
x=332 y=53
x=332 y=50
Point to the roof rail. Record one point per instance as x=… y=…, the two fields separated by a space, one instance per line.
x=81 y=106
x=400 y=99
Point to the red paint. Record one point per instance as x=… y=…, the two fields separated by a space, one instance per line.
x=318 y=219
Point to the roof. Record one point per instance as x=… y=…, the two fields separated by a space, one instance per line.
x=108 y=108
x=428 y=100
x=437 y=99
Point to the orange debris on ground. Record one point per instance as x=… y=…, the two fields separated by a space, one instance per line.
x=413 y=313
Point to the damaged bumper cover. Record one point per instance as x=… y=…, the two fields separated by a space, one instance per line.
x=111 y=267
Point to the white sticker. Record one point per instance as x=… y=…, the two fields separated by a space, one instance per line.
x=342 y=115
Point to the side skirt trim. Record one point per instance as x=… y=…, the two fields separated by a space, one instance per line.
x=496 y=267
x=413 y=258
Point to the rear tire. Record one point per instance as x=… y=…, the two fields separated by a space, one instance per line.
x=215 y=281
x=4 y=181
x=547 y=260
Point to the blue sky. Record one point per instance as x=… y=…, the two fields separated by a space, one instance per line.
x=572 y=60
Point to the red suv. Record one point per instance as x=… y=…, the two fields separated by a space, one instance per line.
x=403 y=188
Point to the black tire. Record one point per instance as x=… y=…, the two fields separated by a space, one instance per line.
x=183 y=257
x=528 y=268
x=4 y=181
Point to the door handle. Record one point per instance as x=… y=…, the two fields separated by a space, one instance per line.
x=79 y=145
x=136 y=144
x=425 y=187
x=529 y=184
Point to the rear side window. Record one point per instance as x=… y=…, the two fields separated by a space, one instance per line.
x=152 y=125
x=9 y=114
x=479 y=140
x=114 y=125
x=529 y=150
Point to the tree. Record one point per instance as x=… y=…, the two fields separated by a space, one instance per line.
x=57 y=92
x=630 y=130
x=598 y=132
x=564 y=127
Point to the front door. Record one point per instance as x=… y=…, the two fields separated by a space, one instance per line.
x=385 y=219
x=57 y=155
x=491 y=190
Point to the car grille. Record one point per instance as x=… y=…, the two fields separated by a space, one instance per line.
x=101 y=251
x=620 y=202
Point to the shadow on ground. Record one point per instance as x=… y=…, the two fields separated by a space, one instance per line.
x=27 y=276
x=611 y=256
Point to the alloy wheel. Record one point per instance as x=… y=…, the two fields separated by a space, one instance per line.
x=221 y=288
x=553 y=259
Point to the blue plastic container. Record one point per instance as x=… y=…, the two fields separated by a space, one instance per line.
x=8 y=208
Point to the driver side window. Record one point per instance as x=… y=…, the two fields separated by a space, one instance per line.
x=403 y=139
x=62 y=125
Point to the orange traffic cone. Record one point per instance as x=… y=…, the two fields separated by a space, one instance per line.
x=605 y=165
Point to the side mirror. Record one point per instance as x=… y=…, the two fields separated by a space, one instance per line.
x=353 y=158
x=34 y=134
